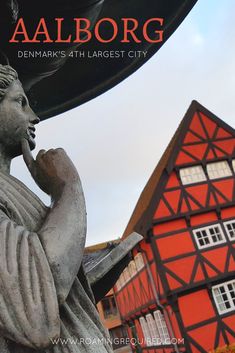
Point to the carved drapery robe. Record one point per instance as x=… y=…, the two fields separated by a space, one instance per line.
x=29 y=309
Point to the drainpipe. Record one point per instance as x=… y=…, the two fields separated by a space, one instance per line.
x=165 y=312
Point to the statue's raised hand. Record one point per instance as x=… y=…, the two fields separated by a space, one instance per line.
x=52 y=170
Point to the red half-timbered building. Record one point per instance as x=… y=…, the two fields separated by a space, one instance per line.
x=178 y=292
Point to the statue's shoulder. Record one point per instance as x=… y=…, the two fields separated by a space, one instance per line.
x=20 y=203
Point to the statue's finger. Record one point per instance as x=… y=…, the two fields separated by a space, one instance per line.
x=40 y=154
x=27 y=155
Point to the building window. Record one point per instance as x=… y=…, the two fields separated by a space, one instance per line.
x=139 y=261
x=162 y=327
x=132 y=268
x=153 y=330
x=224 y=296
x=233 y=163
x=109 y=306
x=218 y=170
x=145 y=329
x=192 y=175
x=126 y=275
x=121 y=281
x=118 y=337
x=230 y=228
x=118 y=285
x=209 y=236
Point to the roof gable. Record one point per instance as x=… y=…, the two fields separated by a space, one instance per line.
x=201 y=137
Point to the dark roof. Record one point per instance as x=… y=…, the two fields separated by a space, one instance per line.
x=142 y=215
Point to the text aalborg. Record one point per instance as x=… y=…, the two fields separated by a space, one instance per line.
x=151 y=30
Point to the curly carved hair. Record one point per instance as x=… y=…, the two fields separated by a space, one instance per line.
x=7 y=76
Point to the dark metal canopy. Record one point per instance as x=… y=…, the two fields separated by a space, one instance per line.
x=56 y=84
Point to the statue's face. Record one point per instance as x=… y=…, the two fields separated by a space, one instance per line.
x=17 y=120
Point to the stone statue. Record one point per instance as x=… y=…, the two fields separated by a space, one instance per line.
x=44 y=294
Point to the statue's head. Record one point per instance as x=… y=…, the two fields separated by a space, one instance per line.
x=17 y=119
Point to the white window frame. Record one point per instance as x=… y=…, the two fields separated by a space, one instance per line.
x=126 y=275
x=229 y=231
x=217 y=170
x=118 y=285
x=220 y=300
x=122 y=280
x=153 y=330
x=145 y=330
x=192 y=175
x=132 y=268
x=162 y=327
x=139 y=261
x=233 y=164
x=209 y=236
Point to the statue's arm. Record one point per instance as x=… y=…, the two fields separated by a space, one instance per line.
x=29 y=312
x=37 y=269
x=63 y=233
x=63 y=236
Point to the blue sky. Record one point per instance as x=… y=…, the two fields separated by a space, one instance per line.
x=117 y=139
